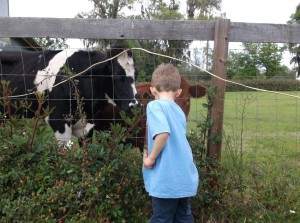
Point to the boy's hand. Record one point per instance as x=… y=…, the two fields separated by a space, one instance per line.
x=148 y=162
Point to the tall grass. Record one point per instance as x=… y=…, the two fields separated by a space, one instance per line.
x=261 y=153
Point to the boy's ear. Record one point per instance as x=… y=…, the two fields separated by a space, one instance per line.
x=178 y=92
x=153 y=91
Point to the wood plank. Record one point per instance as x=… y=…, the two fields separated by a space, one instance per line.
x=261 y=32
x=106 y=28
x=144 y=29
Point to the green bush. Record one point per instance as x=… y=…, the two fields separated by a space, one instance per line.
x=46 y=183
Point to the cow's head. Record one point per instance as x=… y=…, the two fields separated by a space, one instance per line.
x=124 y=73
x=188 y=91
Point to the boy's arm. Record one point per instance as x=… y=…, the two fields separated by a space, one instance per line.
x=159 y=143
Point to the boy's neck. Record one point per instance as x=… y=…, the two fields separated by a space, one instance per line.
x=167 y=95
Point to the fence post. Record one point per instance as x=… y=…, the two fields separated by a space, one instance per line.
x=216 y=112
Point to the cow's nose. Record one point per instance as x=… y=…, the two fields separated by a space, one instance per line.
x=135 y=105
x=138 y=106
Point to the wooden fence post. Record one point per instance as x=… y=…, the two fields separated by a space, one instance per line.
x=216 y=112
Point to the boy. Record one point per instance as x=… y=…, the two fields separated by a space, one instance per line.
x=169 y=172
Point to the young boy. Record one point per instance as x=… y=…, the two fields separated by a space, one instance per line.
x=169 y=172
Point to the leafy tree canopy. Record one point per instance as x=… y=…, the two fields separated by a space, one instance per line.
x=151 y=9
x=295 y=48
x=257 y=59
x=52 y=43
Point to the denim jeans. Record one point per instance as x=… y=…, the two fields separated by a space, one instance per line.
x=169 y=210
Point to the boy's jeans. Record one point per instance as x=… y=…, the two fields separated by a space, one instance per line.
x=167 y=210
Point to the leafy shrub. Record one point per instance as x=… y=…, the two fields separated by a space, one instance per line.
x=50 y=184
x=43 y=182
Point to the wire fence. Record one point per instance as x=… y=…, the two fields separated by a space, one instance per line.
x=273 y=112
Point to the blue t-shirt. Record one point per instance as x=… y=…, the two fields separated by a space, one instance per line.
x=174 y=174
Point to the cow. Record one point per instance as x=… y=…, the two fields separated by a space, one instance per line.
x=111 y=113
x=188 y=91
x=77 y=85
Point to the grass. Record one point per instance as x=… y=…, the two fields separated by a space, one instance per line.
x=270 y=123
x=261 y=151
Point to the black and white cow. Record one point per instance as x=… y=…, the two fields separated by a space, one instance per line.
x=48 y=72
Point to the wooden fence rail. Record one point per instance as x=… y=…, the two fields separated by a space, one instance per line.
x=144 y=29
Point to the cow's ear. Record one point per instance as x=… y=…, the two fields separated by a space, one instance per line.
x=113 y=52
x=147 y=95
x=197 y=91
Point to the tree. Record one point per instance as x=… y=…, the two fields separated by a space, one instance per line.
x=106 y=9
x=151 y=9
x=257 y=59
x=163 y=10
x=202 y=9
x=270 y=56
x=294 y=48
x=241 y=66
x=52 y=43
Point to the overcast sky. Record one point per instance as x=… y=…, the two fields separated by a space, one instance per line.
x=258 y=11
x=48 y=8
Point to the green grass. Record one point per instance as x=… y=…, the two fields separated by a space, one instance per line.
x=261 y=152
x=269 y=123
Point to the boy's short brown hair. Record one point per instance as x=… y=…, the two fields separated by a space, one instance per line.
x=166 y=77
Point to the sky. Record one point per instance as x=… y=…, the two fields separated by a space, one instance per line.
x=251 y=11
x=259 y=11
x=256 y=11
x=48 y=8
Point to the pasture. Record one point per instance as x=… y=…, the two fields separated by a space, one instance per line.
x=268 y=124
x=261 y=155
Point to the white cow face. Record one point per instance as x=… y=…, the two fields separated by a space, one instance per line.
x=124 y=90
